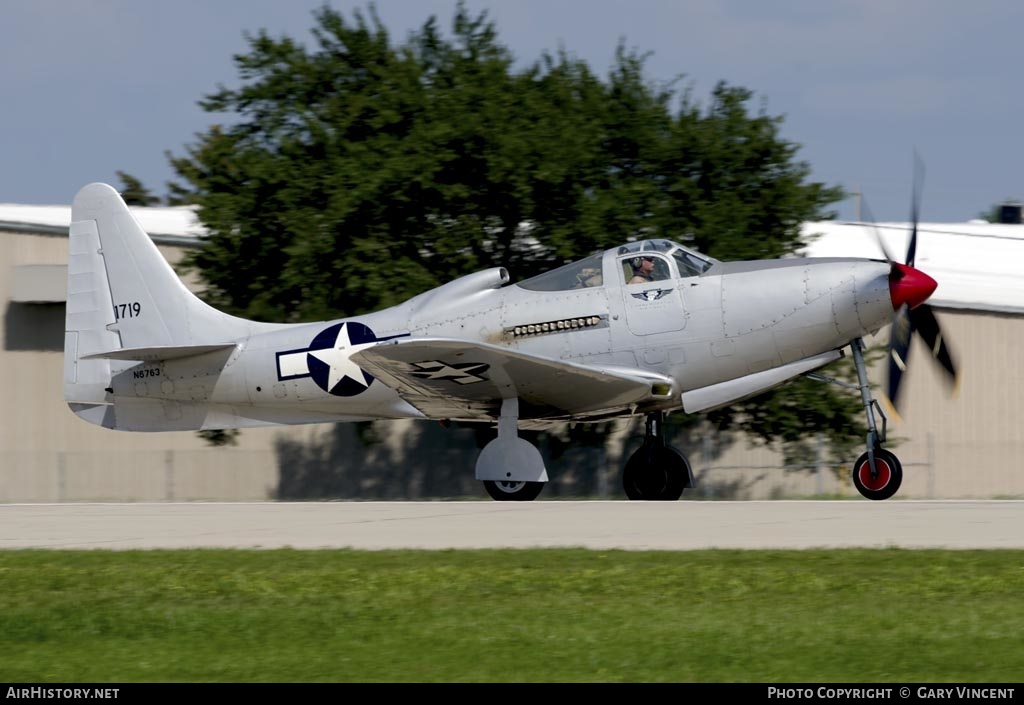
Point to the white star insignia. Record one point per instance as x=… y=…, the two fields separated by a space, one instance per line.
x=440 y=372
x=337 y=358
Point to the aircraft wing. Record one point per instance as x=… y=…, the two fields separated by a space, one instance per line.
x=461 y=379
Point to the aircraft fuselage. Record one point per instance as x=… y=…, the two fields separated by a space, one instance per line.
x=735 y=319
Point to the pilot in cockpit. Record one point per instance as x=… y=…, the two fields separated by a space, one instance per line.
x=643 y=270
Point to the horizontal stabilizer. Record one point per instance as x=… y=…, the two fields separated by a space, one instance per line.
x=161 y=352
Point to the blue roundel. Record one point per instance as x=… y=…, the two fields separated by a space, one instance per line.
x=328 y=360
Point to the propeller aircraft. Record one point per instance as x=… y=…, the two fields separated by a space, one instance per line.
x=648 y=328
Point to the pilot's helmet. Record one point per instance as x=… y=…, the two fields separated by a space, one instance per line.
x=637 y=261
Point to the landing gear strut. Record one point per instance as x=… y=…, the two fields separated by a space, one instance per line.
x=877 y=474
x=656 y=471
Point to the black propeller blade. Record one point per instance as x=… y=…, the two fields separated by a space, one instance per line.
x=899 y=351
x=921 y=319
x=870 y=219
x=915 y=208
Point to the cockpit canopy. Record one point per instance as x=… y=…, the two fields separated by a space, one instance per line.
x=671 y=260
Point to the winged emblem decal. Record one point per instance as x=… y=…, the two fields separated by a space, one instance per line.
x=651 y=294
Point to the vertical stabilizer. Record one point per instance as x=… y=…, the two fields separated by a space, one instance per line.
x=122 y=293
x=151 y=305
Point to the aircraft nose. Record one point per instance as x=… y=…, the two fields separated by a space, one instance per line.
x=909 y=286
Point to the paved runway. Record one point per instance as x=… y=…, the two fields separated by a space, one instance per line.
x=442 y=525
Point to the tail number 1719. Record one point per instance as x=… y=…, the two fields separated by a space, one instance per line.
x=131 y=310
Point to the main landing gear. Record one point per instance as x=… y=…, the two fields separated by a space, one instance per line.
x=656 y=471
x=510 y=467
x=877 y=474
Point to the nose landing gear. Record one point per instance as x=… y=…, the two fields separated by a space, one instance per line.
x=877 y=474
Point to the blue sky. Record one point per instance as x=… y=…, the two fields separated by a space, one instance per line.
x=90 y=87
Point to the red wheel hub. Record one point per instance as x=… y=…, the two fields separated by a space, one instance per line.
x=880 y=480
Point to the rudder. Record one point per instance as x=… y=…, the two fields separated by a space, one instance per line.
x=88 y=318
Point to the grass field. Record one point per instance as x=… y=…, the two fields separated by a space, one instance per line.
x=504 y=615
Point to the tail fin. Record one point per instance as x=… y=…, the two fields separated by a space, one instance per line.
x=123 y=296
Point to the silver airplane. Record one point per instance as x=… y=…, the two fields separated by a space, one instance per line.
x=648 y=328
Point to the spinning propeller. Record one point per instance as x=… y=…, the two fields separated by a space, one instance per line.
x=909 y=288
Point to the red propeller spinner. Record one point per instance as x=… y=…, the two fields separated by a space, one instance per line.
x=909 y=286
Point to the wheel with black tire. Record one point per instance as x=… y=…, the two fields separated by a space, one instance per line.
x=656 y=472
x=885 y=482
x=509 y=491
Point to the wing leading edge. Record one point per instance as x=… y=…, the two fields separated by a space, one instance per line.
x=460 y=379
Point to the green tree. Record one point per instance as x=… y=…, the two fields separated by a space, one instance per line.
x=432 y=154
x=134 y=193
x=994 y=213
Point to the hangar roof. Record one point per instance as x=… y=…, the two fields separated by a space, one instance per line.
x=978 y=265
x=165 y=224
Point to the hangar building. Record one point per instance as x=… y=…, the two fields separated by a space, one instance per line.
x=969 y=446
